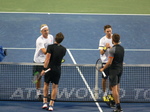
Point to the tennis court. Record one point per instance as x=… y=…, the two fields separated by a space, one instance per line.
x=82 y=25
x=82 y=33
x=23 y=106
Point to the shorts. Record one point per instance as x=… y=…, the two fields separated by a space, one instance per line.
x=37 y=68
x=53 y=75
x=106 y=71
x=114 y=76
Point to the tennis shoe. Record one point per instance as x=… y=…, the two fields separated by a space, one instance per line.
x=111 y=100
x=105 y=99
x=50 y=108
x=45 y=106
x=112 y=105
x=117 y=110
x=110 y=96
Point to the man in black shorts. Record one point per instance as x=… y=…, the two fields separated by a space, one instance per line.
x=115 y=62
x=54 y=56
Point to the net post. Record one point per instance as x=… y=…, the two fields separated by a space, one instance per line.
x=96 y=90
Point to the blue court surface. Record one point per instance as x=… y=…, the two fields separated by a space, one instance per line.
x=24 y=106
x=19 y=32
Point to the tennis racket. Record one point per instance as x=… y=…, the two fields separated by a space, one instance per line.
x=98 y=66
x=37 y=76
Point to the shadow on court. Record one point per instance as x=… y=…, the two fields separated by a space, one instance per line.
x=25 y=106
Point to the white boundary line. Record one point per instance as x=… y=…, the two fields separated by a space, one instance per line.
x=78 y=13
x=84 y=80
x=125 y=49
x=77 y=49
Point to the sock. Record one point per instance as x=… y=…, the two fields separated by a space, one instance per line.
x=38 y=92
x=105 y=94
x=118 y=106
x=50 y=105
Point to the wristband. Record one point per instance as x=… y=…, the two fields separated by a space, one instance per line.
x=104 y=49
x=44 y=68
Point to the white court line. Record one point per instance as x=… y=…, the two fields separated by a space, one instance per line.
x=125 y=49
x=53 y=13
x=84 y=80
x=77 y=49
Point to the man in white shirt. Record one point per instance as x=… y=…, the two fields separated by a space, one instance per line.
x=42 y=43
x=105 y=44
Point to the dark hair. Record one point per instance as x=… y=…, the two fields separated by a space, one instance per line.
x=116 y=38
x=107 y=26
x=59 y=37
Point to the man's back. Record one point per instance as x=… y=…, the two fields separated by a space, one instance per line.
x=57 y=52
x=118 y=53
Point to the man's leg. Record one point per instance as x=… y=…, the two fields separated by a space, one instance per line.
x=105 y=97
x=53 y=96
x=45 y=94
x=104 y=86
x=111 y=98
x=115 y=91
x=38 y=89
x=54 y=93
x=38 y=86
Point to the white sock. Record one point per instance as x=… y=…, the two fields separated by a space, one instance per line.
x=105 y=94
x=38 y=92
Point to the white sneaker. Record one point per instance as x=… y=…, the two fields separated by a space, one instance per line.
x=44 y=106
x=50 y=108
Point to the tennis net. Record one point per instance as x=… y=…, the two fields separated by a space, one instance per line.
x=16 y=82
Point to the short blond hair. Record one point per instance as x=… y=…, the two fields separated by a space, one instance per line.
x=43 y=25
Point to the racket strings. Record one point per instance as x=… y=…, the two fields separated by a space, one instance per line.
x=99 y=64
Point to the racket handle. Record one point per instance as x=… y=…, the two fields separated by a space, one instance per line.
x=103 y=73
x=47 y=70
